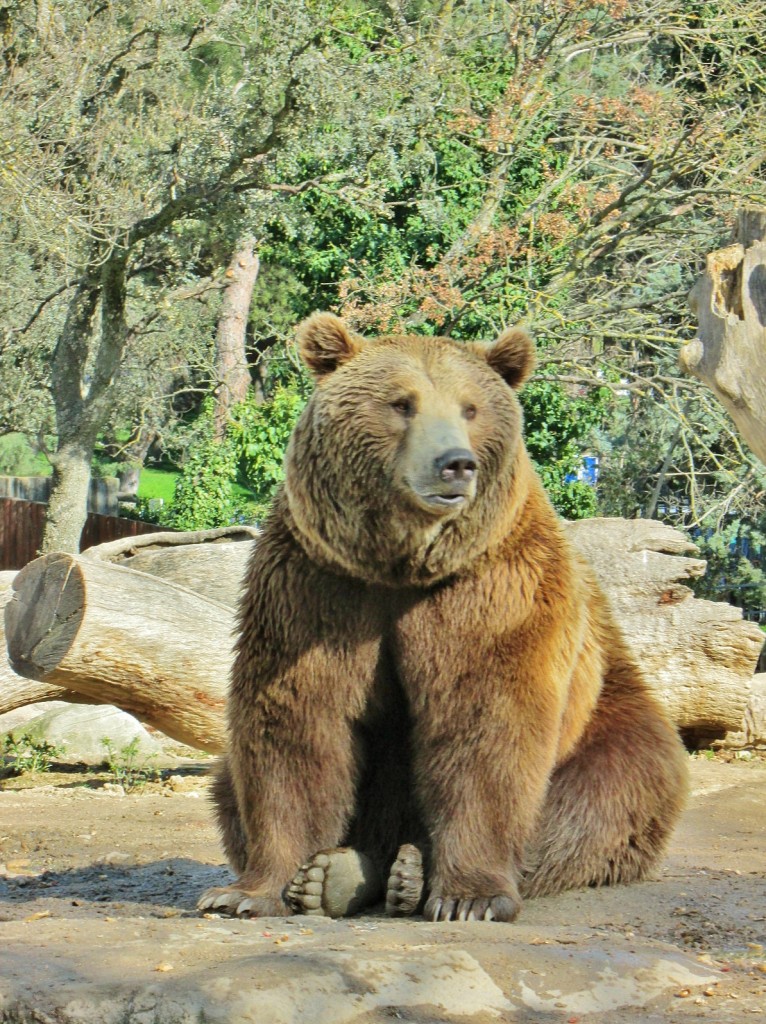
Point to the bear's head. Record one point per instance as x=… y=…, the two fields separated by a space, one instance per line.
x=403 y=467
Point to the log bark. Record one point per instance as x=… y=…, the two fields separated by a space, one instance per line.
x=729 y=354
x=698 y=656
x=752 y=733
x=121 y=637
x=209 y=562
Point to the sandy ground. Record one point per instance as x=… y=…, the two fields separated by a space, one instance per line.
x=97 y=895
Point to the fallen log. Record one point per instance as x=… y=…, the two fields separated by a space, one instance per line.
x=752 y=733
x=15 y=691
x=698 y=656
x=117 y=636
x=210 y=562
x=154 y=648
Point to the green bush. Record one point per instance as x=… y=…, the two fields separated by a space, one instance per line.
x=260 y=434
x=203 y=497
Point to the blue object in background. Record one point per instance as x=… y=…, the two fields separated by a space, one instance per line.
x=587 y=473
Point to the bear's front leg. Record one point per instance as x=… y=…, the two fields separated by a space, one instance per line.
x=486 y=715
x=306 y=660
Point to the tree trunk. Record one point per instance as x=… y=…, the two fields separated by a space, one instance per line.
x=135 y=456
x=729 y=354
x=125 y=638
x=68 y=502
x=86 y=362
x=232 y=371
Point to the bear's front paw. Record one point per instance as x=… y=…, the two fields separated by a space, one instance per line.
x=472 y=908
x=240 y=902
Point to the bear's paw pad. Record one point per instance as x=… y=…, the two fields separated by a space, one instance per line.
x=404 y=892
x=335 y=883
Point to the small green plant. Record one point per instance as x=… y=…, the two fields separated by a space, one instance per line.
x=28 y=754
x=128 y=766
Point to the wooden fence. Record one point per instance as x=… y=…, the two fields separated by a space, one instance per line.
x=21 y=531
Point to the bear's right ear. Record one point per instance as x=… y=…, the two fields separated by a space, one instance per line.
x=512 y=356
x=326 y=343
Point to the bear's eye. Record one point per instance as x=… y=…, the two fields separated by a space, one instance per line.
x=469 y=412
x=404 y=406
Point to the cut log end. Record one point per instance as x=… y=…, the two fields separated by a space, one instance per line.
x=44 y=615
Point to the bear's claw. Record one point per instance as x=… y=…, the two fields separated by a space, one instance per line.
x=479 y=908
x=241 y=903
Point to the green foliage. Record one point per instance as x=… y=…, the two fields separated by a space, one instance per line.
x=17 y=457
x=102 y=469
x=157 y=483
x=260 y=432
x=559 y=429
x=145 y=510
x=28 y=754
x=731 y=576
x=128 y=767
x=203 y=497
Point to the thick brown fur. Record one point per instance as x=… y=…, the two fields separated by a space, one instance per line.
x=423 y=659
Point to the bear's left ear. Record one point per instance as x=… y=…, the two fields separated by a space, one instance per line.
x=325 y=343
x=512 y=356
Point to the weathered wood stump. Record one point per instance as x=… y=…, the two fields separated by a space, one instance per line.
x=729 y=353
x=698 y=656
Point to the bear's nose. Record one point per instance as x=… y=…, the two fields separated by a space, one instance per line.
x=455 y=464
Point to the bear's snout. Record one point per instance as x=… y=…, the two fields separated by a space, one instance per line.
x=457 y=465
x=445 y=482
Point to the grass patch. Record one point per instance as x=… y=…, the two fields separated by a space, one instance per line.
x=157 y=483
x=161 y=483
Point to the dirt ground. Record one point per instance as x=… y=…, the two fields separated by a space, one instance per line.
x=80 y=859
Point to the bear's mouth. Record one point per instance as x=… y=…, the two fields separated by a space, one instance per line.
x=440 y=503
x=446 y=500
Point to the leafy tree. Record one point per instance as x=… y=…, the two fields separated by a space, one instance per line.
x=559 y=427
x=127 y=127
x=735 y=568
x=423 y=166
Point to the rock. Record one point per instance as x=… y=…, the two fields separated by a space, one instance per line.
x=335 y=972
x=80 y=729
x=16 y=721
x=753 y=732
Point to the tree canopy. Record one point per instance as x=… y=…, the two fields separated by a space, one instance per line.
x=434 y=166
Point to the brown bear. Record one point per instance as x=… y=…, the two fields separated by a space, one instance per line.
x=426 y=675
